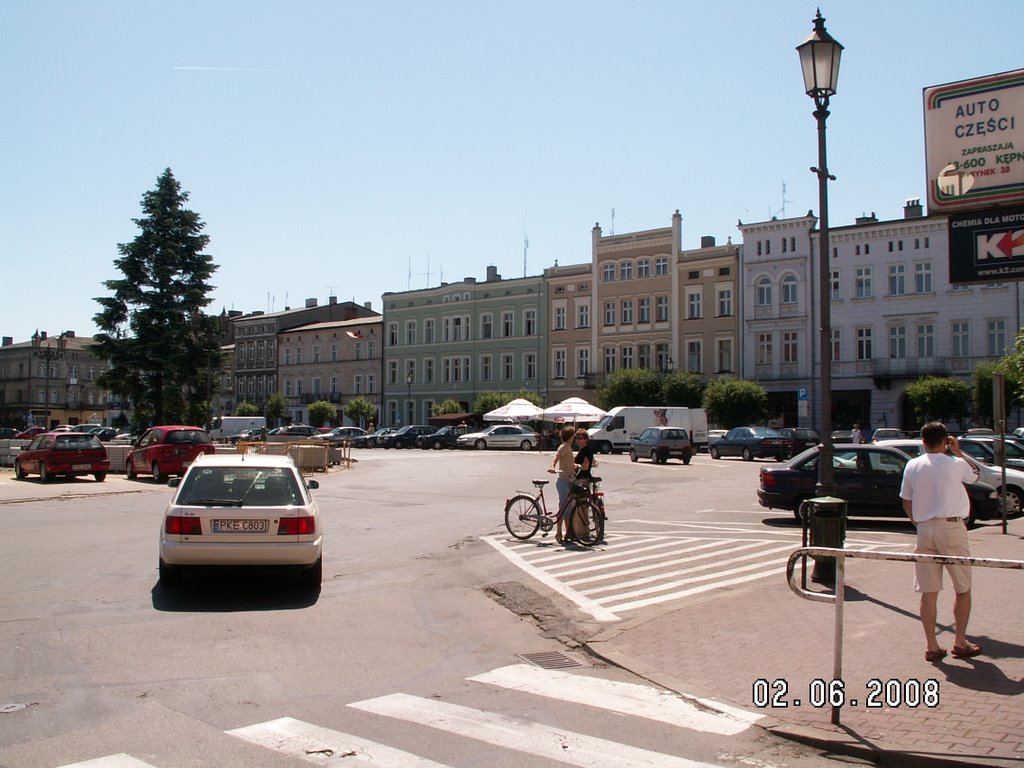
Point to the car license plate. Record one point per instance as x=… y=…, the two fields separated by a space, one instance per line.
x=240 y=526
x=81 y=467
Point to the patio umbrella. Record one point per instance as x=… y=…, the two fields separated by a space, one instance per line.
x=573 y=409
x=516 y=410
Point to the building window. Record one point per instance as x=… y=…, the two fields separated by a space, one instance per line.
x=661 y=266
x=609 y=313
x=764 y=292
x=428 y=371
x=627 y=311
x=428 y=331
x=764 y=349
x=583 y=316
x=507 y=324
x=925 y=340
x=644 y=355
x=334 y=385
x=334 y=353
x=864 y=344
x=644 y=310
x=530 y=322
x=608 y=273
x=316 y=353
x=790 y=346
x=996 y=338
x=507 y=369
x=316 y=385
x=693 y=310
x=298 y=355
x=485 y=368
x=834 y=291
x=661 y=309
x=961 y=339
x=531 y=366
x=626 y=270
x=287 y=356
x=662 y=359
x=897 y=280
x=392 y=334
x=695 y=356
x=410 y=332
x=725 y=302
x=923 y=277
x=836 y=344
x=863 y=282
x=486 y=326
x=627 y=357
x=725 y=354
x=287 y=388
x=643 y=268
x=298 y=387
x=371 y=383
x=558 y=364
x=609 y=360
x=897 y=342
x=559 y=318
x=789 y=289
x=582 y=362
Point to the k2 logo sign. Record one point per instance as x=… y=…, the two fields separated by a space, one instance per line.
x=986 y=246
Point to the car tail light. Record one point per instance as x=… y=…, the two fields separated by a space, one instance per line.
x=296 y=526
x=767 y=478
x=183 y=526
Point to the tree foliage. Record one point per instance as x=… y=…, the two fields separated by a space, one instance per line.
x=161 y=348
x=734 y=402
x=940 y=398
x=361 y=411
x=322 y=413
x=631 y=386
x=984 y=397
x=245 y=408
x=275 y=408
x=451 y=405
x=682 y=389
x=488 y=401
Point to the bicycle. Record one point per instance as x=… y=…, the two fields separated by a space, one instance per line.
x=526 y=513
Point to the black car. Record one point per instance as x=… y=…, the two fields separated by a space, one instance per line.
x=296 y=431
x=405 y=437
x=792 y=441
x=445 y=437
x=8 y=433
x=371 y=440
x=746 y=442
x=867 y=477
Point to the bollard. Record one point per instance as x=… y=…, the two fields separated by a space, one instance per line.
x=826 y=519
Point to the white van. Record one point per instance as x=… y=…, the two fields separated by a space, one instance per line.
x=617 y=429
x=226 y=427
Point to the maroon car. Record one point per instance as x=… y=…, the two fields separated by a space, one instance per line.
x=63 y=453
x=165 y=451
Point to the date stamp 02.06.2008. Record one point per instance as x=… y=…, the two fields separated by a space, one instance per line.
x=876 y=694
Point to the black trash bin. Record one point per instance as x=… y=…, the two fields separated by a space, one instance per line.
x=825 y=519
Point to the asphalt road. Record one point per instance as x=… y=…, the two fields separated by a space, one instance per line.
x=415 y=643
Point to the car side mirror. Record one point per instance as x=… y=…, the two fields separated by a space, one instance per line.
x=312 y=485
x=173 y=482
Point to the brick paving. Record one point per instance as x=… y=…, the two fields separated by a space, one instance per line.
x=716 y=647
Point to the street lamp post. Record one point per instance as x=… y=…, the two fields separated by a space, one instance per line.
x=819 y=60
x=42 y=348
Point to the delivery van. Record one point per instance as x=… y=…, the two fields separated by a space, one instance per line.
x=616 y=430
x=226 y=427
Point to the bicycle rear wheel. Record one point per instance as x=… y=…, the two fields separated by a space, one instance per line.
x=587 y=523
x=522 y=516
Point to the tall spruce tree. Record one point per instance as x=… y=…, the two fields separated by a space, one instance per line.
x=160 y=346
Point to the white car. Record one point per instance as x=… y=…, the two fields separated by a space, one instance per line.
x=500 y=436
x=986 y=473
x=250 y=510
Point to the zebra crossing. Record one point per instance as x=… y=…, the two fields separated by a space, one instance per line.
x=644 y=563
x=316 y=743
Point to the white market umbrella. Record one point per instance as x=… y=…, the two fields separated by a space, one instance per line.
x=573 y=409
x=516 y=410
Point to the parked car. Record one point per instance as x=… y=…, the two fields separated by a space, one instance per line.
x=792 y=441
x=405 y=437
x=88 y=428
x=445 y=437
x=986 y=473
x=252 y=435
x=340 y=435
x=867 y=477
x=70 y=454
x=842 y=436
x=296 y=432
x=28 y=434
x=984 y=449
x=886 y=433
x=661 y=444
x=746 y=442
x=500 y=436
x=105 y=434
x=370 y=440
x=252 y=510
x=167 y=450
x=8 y=433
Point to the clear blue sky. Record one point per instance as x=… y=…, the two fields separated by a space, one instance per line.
x=341 y=147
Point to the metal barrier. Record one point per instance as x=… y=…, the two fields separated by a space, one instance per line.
x=838 y=597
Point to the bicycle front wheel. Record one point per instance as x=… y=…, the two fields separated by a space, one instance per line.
x=587 y=523
x=522 y=516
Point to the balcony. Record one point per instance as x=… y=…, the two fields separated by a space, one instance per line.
x=890 y=368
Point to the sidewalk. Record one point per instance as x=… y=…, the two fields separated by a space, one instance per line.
x=716 y=647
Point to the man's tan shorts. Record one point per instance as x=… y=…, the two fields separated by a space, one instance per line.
x=942 y=536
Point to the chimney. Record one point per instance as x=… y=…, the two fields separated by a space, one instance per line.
x=492 y=274
x=469 y=280
x=707 y=241
x=368 y=304
x=8 y=340
x=913 y=209
x=69 y=334
x=867 y=219
x=332 y=299
x=310 y=303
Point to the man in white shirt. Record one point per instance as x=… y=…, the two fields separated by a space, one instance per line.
x=936 y=502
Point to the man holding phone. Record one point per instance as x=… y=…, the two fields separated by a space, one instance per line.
x=936 y=502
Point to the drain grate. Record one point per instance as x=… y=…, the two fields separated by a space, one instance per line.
x=551 y=660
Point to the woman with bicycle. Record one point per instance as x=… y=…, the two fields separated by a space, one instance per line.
x=564 y=468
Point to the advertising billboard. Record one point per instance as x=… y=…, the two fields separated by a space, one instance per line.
x=986 y=246
x=974 y=142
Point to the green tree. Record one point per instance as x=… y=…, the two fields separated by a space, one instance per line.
x=631 y=386
x=488 y=401
x=321 y=413
x=940 y=398
x=450 y=405
x=984 y=403
x=275 y=408
x=152 y=331
x=245 y=408
x=361 y=411
x=734 y=403
x=682 y=389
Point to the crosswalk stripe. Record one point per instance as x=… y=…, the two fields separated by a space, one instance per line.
x=615 y=558
x=316 y=745
x=120 y=760
x=553 y=743
x=662 y=565
x=612 y=695
x=612 y=606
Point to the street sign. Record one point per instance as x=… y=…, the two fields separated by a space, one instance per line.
x=801 y=394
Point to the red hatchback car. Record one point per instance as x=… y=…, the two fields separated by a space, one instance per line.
x=63 y=453
x=165 y=451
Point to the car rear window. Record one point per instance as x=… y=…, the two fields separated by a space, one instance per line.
x=195 y=436
x=76 y=441
x=244 y=486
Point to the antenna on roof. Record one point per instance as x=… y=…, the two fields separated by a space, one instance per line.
x=526 y=247
x=611 y=231
x=782 y=210
x=428 y=273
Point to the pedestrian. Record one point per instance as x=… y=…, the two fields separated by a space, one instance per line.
x=936 y=502
x=564 y=468
x=856 y=436
x=584 y=460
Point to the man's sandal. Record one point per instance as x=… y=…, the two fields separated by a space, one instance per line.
x=937 y=655
x=967 y=651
